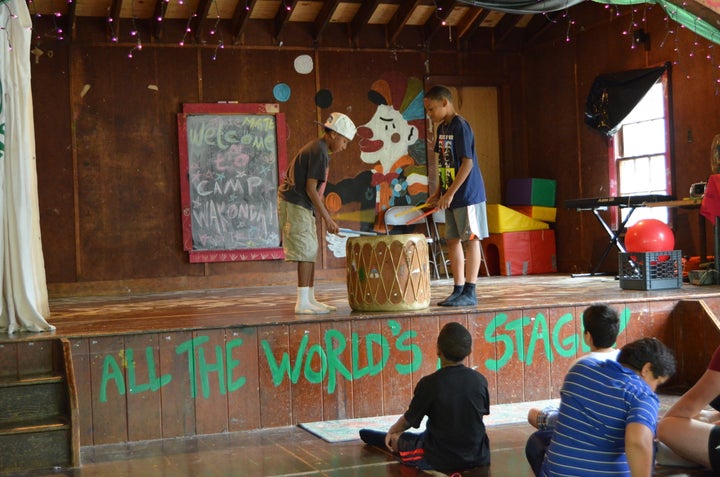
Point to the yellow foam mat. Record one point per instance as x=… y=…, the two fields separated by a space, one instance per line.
x=537 y=212
x=504 y=219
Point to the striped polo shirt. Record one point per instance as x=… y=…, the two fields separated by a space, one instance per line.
x=598 y=400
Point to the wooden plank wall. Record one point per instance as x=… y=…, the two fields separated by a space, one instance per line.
x=696 y=328
x=164 y=385
x=560 y=72
x=107 y=149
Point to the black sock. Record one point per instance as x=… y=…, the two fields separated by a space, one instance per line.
x=457 y=291
x=469 y=289
x=466 y=298
x=373 y=438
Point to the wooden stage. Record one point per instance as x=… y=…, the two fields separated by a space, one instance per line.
x=206 y=364
x=194 y=310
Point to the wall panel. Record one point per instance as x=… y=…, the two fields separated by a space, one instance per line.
x=144 y=408
x=178 y=406
x=224 y=380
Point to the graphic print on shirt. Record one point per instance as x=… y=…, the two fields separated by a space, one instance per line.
x=446 y=167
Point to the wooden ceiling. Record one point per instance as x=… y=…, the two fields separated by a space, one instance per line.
x=425 y=18
x=429 y=17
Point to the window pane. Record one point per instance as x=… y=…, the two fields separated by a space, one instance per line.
x=634 y=176
x=651 y=106
x=626 y=170
x=644 y=138
x=659 y=213
x=657 y=174
x=641 y=154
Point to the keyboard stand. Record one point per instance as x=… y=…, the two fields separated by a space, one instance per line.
x=614 y=239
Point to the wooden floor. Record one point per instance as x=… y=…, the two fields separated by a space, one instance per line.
x=291 y=451
x=286 y=452
x=257 y=306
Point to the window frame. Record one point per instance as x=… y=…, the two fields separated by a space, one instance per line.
x=614 y=161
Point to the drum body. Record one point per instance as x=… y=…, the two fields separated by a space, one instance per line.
x=388 y=272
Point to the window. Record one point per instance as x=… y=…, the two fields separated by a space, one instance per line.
x=639 y=151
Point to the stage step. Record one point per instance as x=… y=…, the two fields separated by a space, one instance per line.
x=38 y=425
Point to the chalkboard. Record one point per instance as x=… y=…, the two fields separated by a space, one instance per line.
x=231 y=159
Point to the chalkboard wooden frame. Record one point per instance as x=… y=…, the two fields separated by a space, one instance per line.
x=214 y=161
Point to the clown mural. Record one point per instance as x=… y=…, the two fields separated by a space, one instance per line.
x=392 y=143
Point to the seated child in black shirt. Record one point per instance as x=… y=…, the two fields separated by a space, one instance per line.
x=454 y=398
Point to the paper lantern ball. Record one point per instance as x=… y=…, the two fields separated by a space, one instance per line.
x=649 y=235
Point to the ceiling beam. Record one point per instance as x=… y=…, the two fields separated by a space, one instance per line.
x=505 y=28
x=471 y=22
x=197 y=24
x=323 y=18
x=539 y=23
x=159 y=13
x=114 y=20
x=437 y=21
x=400 y=19
x=70 y=18
x=240 y=17
x=361 y=18
x=282 y=17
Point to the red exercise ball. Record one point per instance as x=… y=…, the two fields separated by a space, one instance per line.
x=649 y=235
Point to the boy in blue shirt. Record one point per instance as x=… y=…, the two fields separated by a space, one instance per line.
x=460 y=193
x=608 y=414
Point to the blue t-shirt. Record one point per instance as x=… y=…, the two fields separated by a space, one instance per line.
x=598 y=400
x=455 y=141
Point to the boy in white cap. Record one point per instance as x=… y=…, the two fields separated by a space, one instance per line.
x=300 y=198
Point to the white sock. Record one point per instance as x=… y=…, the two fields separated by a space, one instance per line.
x=303 y=305
x=311 y=296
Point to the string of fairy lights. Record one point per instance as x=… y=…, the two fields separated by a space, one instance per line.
x=637 y=19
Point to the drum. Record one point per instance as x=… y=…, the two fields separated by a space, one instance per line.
x=388 y=272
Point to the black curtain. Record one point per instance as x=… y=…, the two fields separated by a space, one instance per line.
x=613 y=96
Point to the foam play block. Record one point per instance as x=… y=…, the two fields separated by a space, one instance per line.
x=507 y=254
x=520 y=253
x=537 y=212
x=543 y=253
x=531 y=191
x=503 y=219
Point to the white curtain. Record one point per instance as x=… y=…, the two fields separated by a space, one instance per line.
x=24 y=291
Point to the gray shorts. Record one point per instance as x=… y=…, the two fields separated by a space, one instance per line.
x=467 y=223
x=299 y=232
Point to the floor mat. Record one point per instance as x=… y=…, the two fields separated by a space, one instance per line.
x=347 y=429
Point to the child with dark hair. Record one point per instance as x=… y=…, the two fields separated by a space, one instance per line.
x=601 y=325
x=608 y=414
x=454 y=398
x=300 y=200
x=460 y=194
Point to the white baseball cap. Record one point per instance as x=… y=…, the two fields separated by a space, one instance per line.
x=341 y=124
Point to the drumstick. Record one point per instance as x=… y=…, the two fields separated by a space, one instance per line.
x=356 y=232
x=415 y=219
x=412 y=209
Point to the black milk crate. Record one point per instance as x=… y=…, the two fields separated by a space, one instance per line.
x=650 y=270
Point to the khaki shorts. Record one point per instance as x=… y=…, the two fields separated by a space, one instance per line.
x=299 y=232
